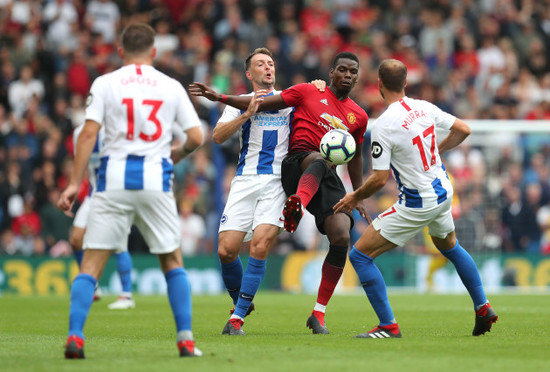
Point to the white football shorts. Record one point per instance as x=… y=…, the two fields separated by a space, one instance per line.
x=253 y=200
x=114 y=211
x=81 y=217
x=399 y=224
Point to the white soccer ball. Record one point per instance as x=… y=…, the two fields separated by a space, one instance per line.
x=337 y=146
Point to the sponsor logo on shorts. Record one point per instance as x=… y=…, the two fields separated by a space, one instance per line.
x=376 y=150
x=223 y=220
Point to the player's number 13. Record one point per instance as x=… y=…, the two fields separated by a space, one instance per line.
x=129 y=103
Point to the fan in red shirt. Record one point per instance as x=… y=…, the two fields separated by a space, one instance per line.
x=307 y=178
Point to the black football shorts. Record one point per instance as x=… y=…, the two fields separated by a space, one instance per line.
x=331 y=188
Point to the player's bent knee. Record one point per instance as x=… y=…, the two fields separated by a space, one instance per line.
x=227 y=255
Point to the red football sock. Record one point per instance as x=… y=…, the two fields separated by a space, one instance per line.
x=329 y=279
x=307 y=187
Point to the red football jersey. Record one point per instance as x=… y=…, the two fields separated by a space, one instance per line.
x=318 y=112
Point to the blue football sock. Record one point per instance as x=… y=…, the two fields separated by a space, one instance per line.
x=179 y=295
x=255 y=271
x=78 y=256
x=232 y=274
x=82 y=296
x=468 y=273
x=124 y=268
x=373 y=284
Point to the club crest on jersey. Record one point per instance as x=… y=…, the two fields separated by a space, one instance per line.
x=89 y=99
x=324 y=101
x=223 y=220
x=376 y=150
x=335 y=122
x=351 y=118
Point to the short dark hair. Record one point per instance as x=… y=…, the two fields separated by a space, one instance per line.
x=256 y=51
x=393 y=74
x=342 y=55
x=137 y=38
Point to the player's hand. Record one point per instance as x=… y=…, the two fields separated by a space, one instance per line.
x=203 y=90
x=347 y=203
x=176 y=153
x=258 y=98
x=67 y=198
x=363 y=211
x=319 y=84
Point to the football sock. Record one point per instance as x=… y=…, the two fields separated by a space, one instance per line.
x=179 y=295
x=185 y=335
x=310 y=180
x=82 y=296
x=255 y=271
x=373 y=284
x=329 y=279
x=320 y=308
x=468 y=273
x=78 y=256
x=232 y=274
x=124 y=268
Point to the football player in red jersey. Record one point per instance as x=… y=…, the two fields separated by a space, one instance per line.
x=307 y=178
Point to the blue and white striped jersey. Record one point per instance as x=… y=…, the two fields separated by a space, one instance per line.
x=264 y=139
x=404 y=139
x=138 y=106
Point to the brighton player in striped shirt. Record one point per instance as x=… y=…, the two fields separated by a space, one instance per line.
x=306 y=177
x=256 y=196
x=138 y=107
x=123 y=259
x=404 y=140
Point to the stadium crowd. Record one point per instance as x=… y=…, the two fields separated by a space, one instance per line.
x=487 y=59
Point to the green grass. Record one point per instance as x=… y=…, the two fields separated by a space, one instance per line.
x=436 y=336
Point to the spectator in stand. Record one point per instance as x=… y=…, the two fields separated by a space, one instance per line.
x=519 y=221
x=55 y=224
x=79 y=80
x=59 y=16
x=21 y=91
x=102 y=16
x=26 y=227
x=165 y=40
x=260 y=28
x=193 y=229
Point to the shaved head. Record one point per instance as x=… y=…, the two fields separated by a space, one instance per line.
x=393 y=74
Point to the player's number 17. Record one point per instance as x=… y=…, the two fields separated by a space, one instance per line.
x=129 y=103
x=418 y=142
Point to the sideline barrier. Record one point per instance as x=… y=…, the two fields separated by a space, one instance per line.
x=298 y=272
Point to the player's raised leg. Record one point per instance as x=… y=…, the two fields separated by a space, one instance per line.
x=469 y=274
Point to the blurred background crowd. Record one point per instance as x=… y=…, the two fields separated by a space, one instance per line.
x=486 y=59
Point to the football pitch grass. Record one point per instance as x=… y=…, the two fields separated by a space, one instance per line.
x=436 y=335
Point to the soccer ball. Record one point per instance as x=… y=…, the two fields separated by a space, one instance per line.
x=337 y=146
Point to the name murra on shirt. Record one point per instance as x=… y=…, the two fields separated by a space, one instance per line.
x=412 y=116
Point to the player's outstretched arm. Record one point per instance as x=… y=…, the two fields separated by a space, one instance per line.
x=459 y=131
x=84 y=147
x=375 y=182
x=355 y=171
x=195 y=138
x=223 y=131
x=274 y=102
